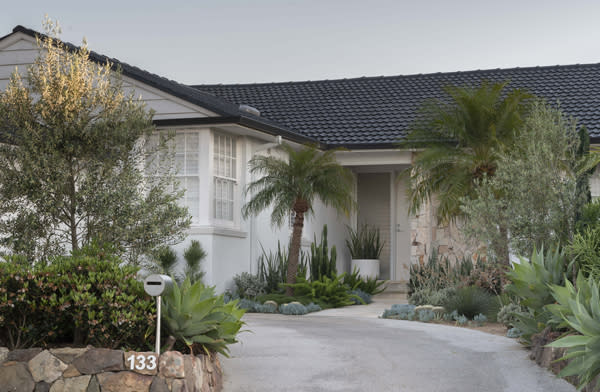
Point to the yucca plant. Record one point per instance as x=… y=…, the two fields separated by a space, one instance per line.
x=195 y=315
x=364 y=242
x=581 y=311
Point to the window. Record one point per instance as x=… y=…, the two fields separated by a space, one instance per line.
x=224 y=170
x=186 y=167
x=187 y=152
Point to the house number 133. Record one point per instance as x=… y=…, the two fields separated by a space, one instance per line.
x=142 y=362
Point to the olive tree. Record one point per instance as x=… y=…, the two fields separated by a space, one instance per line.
x=77 y=160
x=535 y=188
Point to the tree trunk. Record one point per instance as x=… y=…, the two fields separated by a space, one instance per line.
x=300 y=207
x=73 y=212
x=502 y=247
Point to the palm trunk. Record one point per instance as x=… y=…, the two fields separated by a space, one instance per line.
x=292 y=269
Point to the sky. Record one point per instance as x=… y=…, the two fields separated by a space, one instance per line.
x=237 y=41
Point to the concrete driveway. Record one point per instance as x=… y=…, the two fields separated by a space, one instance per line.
x=350 y=349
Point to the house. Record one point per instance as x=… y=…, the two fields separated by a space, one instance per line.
x=221 y=127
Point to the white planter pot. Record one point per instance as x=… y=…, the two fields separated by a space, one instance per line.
x=367 y=268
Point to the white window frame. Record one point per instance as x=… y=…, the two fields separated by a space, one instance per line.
x=181 y=174
x=225 y=159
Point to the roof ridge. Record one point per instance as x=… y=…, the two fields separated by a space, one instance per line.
x=416 y=75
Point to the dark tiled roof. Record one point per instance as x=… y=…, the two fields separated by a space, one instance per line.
x=376 y=111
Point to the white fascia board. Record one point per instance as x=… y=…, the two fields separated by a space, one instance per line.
x=374 y=157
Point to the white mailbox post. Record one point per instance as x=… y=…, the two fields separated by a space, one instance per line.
x=155 y=285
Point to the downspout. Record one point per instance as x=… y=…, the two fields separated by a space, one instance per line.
x=262 y=147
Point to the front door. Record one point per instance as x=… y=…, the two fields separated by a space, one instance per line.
x=403 y=231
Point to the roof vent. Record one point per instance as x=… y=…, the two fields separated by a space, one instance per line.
x=250 y=109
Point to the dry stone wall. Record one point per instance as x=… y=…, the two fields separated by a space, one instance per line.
x=105 y=370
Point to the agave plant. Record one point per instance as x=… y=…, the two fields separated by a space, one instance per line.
x=201 y=319
x=530 y=280
x=530 y=283
x=580 y=310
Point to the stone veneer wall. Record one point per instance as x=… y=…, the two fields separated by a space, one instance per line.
x=428 y=236
x=98 y=369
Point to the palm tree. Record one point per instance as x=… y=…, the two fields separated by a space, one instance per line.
x=292 y=185
x=461 y=140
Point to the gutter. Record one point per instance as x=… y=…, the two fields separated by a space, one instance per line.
x=246 y=121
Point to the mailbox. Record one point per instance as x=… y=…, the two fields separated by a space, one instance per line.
x=156 y=284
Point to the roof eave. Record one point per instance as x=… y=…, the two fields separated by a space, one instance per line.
x=242 y=120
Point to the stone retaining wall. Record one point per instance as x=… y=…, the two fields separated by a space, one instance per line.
x=547 y=357
x=98 y=369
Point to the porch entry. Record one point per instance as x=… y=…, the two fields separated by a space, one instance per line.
x=382 y=203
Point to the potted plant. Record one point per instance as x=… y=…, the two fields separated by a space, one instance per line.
x=365 y=247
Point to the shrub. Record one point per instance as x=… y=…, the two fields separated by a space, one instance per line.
x=452 y=316
x=322 y=261
x=585 y=250
x=164 y=261
x=88 y=298
x=439 y=273
x=432 y=297
x=331 y=292
x=426 y=315
x=284 y=299
x=195 y=315
x=400 y=312
x=293 y=308
x=311 y=307
x=514 y=333
x=248 y=285
x=266 y=308
x=462 y=320
x=363 y=298
x=480 y=319
x=364 y=242
x=507 y=314
x=193 y=256
x=248 y=305
x=368 y=285
x=490 y=277
x=590 y=217
x=584 y=317
x=470 y=301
